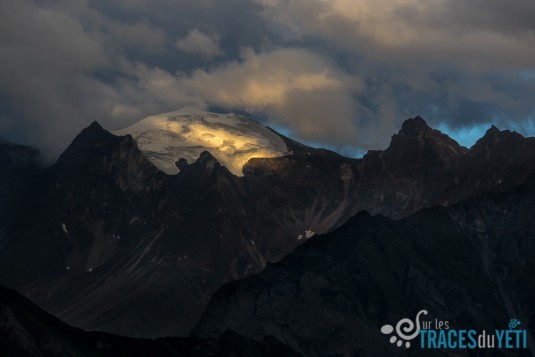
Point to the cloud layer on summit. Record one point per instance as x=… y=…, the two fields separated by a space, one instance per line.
x=341 y=73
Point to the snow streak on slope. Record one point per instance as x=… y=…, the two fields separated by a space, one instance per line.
x=232 y=139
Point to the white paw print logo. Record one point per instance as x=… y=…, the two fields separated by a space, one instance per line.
x=403 y=328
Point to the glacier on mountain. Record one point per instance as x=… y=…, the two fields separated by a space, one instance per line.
x=231 y=138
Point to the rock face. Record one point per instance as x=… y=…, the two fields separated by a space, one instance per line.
x=26 y=330
x=417 y=167
x=423 y=167
x=110 y=242
x=112 y=239
x=471 y=264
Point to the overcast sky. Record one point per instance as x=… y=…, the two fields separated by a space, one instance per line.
x=337 y=73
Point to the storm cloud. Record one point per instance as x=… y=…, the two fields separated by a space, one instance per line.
x=340 y=73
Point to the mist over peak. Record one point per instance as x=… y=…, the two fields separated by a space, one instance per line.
x=327 y=81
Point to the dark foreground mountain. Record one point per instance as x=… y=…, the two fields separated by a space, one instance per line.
x=106 y=241
x=26 y=330
x=472 y=264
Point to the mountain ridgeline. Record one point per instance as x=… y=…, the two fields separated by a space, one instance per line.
x=107 y=241
x=471 y=264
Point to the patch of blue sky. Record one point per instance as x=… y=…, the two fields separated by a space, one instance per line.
x=465 y=136
x=468 y=136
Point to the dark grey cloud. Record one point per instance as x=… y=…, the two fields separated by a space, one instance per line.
x=340 y=73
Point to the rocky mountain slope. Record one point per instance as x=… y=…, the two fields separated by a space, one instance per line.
x=26 y=330
x=108 y=241
x=472 y=264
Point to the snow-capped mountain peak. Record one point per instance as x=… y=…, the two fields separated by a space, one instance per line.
x=232 y=139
